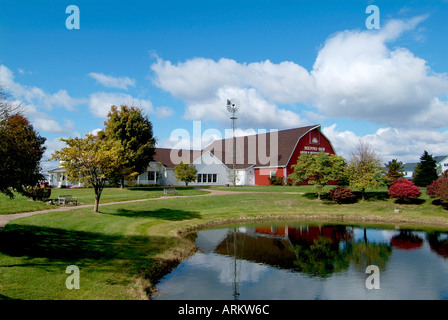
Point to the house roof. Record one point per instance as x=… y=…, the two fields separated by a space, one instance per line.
x=439 y=158
x=60 y=169
x=247 y=148
x=412 y=165
x=163 y=155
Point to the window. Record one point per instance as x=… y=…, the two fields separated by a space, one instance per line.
x=207 y=177
x=272 y=174
x=151 y=175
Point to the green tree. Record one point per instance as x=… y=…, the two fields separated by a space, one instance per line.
x=91 y=161
x=426 y=170
x=21 y=150
x=395 y=170
x=185 y=172
x=364 y=168
x=321 y=258
x=134 y=131
x=319 y=169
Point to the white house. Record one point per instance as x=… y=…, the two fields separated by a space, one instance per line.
x=409 y=168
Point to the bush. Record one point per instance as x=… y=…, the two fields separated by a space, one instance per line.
x=342 y=195
x=404 y=190
x=276 y=181
x=444 y=174
x=37 y=193
x=439 y=190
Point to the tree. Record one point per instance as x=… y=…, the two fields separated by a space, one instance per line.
x=91 y=161
x=185 y=172
x=364 y=168
x=134 y=131
x=426 y=170
x=319 y=169
x=8 y=106
x=21 y=150
x=395 y=170
x=439 y=189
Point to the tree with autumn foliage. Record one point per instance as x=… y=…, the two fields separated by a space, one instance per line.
x=185 y=172
x=364 y=168
x=91 y=161
x=21 y=150
x=318 y=169
x=133 y=130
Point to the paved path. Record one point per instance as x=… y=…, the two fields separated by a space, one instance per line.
x=5 y=218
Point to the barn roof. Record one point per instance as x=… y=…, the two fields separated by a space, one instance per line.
x=247 y=152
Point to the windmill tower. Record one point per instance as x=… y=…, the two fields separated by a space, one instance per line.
x=233 y=107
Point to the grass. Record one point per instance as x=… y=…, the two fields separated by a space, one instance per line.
x=86 y=196
x=124 y=249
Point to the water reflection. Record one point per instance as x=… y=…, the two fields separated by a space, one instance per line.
x=298 y=261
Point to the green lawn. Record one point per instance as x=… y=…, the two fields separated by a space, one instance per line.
x=86 y=196
x=122 y=249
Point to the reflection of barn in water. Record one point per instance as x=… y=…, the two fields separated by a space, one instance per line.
x=273 y=245
x=438 y=242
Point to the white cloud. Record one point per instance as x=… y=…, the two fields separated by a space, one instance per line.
x=406 y=145
x=359 y=77
x=356 y=75
x=164 y=112
x=34 y=99
x=205 y=85
x=35 y=95
x=101 y=102
x=113 y=82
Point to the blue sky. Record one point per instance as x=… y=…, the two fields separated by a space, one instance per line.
x=289 y=63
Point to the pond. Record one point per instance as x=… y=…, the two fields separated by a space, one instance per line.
x=301 y=261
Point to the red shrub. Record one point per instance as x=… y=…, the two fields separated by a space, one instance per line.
x=439 y=189
x=404 y=190
x=444 y=174
x=342 y=195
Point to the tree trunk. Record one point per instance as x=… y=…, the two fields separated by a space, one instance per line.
x=97 y=202
x=122 y=183
x=318 y=196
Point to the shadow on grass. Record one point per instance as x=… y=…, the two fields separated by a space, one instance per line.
x=162 y=213
x=437 y=202
x=368 y=196
x=413 y=201
x=372 y=195
x=76 y=247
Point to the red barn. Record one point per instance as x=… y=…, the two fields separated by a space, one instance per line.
x=260 y=156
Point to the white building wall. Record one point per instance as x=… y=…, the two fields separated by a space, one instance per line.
x=443 y=165
x=209 y=164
